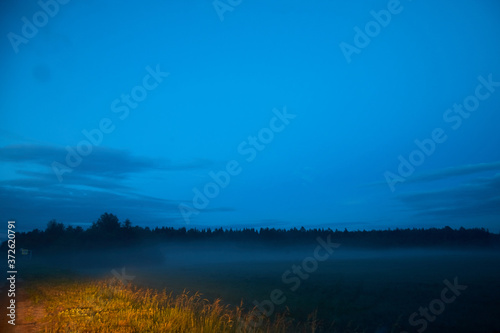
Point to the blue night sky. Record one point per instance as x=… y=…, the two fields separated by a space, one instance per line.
x=352 y=114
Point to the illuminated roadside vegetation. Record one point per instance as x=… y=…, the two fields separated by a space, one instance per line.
x=110 y=306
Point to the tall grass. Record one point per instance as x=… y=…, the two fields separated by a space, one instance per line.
x=110 y=306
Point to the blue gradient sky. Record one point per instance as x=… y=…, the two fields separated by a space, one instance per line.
x=326 y=168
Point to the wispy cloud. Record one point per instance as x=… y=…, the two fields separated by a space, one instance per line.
x=101 y=183
x=30 y=153
x=445 y=173
x=32 y=207
x=477 y=198
x=455 y=171
x=102 y=161
x=44 y=180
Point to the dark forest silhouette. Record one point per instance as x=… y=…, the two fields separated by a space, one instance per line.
x=108 y=232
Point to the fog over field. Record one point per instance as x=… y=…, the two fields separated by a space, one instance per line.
x=377 y=289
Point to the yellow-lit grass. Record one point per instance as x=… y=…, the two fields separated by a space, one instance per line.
x=110 y=306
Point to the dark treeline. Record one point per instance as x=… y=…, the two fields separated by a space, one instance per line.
x=108 y=232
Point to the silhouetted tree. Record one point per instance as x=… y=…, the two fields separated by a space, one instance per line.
x=54 y=228
x=107 y=232
x=107 y=223
x=127 y=224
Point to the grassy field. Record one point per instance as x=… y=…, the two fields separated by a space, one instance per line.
x=214 y=289
x=110 y=306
